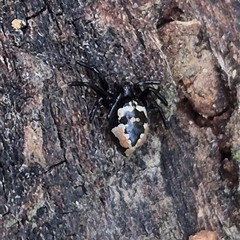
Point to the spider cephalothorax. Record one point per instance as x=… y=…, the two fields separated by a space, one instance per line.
x=128 y=105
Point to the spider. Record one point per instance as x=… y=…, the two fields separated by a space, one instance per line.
x=127 y=108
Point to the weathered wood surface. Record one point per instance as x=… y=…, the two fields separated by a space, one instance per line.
x=62 y=178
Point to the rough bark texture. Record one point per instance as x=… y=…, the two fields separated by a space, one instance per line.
x=63 y=178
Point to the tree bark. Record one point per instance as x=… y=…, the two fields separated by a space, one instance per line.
x=62 y=177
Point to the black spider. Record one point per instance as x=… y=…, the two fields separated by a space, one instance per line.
x=127 y=106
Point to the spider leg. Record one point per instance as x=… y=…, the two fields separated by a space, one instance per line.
x=94 y=109
x=96 y=88
x=161 y=114
x=148 y=90
x=114 y=106
x=154 y=82
x=154 y=105
x=103 y=81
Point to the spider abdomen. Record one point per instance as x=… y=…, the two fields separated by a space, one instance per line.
x=132 y=126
